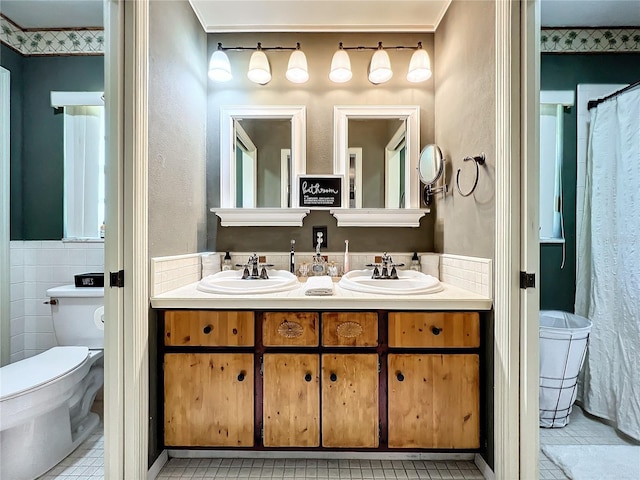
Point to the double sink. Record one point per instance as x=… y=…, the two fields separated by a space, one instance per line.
x=409 y=282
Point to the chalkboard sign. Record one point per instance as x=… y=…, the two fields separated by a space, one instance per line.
x=320 y=191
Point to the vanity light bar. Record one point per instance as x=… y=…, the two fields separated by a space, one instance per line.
x=259 y=68
x=297 y=72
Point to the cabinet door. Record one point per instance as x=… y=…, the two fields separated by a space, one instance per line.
x=290 y=329
x=434 y=329
x=434 y=401
x=350 y=329
x=291 y=400
x=350 y=400
x=208 y=399
x=209 y=328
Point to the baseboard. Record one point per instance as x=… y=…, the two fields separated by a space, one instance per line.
x=320 y=455
x=157 y=465
x=484 y=468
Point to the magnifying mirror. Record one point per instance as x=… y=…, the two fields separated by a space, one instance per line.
x=430 y=169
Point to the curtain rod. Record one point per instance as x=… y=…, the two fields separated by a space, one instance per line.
x=595 y=103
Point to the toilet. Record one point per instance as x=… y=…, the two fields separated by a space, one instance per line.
x=45 y=400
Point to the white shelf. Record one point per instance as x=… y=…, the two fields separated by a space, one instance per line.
x=379 y=217
x=261 y=217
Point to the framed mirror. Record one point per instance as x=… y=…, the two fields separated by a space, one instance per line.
x=376 y=152
x=376 y=148
x=262 y=151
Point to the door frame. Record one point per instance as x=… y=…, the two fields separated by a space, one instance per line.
x=126 y=368
x=530 y=239
x=126 y=243
x=5 y=214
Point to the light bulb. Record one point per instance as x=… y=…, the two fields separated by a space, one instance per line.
x=419 y=66
x=219 y=67
x=259 y=69
x=340 y=67
x=380 y=68
x=297 y=70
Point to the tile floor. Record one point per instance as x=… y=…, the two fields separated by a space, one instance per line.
x=297 y=469
x=583 y=429
x=86 y=463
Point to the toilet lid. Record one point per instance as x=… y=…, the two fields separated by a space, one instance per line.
x=35 y=371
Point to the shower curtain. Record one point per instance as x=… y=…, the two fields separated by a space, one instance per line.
x=608 y=263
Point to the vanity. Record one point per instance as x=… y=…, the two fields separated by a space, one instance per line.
x=356 y=371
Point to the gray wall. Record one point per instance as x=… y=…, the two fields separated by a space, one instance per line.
x=177 y=130
x=319 y=95
x=465 y=106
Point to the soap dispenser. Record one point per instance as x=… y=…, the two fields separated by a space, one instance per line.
x=415 y=262
x=226 y=265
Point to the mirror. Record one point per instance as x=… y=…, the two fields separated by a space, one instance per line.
x=262 y=151
x=263 y=162
x=430 y=164
x=430 y=169
x=376 y=152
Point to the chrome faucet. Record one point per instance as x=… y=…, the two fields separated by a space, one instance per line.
x=319 y=266
x=386 y=270
x=253 y=270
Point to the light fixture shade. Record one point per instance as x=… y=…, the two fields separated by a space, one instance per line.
x=340 y=67
x=297 y=71
x=380 y=67
x=259 y=69
x=219 y=67
x=419 y=66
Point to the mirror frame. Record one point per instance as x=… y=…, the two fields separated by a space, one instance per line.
x=409 y=113
x=231 y=113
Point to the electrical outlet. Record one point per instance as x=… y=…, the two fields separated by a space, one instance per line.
x=320 y=231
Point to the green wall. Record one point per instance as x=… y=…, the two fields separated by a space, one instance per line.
x=37 y=154
x=12 y=61
x=565 y=72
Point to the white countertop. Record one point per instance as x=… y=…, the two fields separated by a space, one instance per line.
x=451 y=298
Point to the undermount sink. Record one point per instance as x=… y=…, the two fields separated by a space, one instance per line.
x=409 y=282
x=231 y=283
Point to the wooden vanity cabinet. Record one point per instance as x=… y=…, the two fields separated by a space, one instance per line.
x=434 y=398
x=319 y=384
x=208 y=399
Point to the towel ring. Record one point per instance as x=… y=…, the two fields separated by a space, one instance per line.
x=479 y=160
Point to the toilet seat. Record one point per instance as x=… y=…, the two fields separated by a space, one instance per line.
x=32 y=373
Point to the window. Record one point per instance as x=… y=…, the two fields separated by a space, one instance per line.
x=84 y=152
x=552 y=105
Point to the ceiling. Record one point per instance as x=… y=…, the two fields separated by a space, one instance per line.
x=320 y=15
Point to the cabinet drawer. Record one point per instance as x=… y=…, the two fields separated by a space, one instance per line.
x=350 y=329
x=434 y=329
x=290 y=329
x=207 y=328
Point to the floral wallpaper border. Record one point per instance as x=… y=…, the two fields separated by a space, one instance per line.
x=51 y=42
x=590 y=40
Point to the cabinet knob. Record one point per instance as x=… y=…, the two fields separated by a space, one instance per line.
x=333 y=377
x=307 y=377
x=207 y=329
x=400 y=376
x=241 y=376
x=436 y=330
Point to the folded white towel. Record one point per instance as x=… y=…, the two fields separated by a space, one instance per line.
x=322 y=285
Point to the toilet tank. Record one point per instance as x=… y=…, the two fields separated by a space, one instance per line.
x=78 y=315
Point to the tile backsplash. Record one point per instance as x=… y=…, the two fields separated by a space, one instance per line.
x=37 y=266
x=471 y=273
